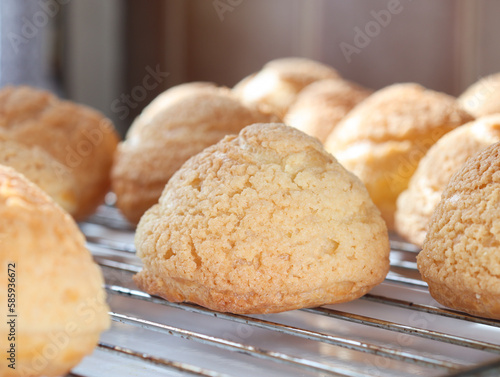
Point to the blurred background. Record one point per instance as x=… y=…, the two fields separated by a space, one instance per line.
x=117 y=55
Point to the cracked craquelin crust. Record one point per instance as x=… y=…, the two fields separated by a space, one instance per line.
x=482 y=97
x=277 y=84
x=263 y=222
x=460 y=259
x=79 y=140
x=384 y=137
x=322 y=104
x=184 y=121
x=60 y=302
x=417 y=203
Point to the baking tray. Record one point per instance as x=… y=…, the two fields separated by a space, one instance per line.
x=395 y=330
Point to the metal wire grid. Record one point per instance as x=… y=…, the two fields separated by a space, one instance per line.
x=109 y=238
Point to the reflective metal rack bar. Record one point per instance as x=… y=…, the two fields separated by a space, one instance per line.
x=395 y=330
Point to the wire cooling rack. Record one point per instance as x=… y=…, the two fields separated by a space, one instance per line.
x=395 y=330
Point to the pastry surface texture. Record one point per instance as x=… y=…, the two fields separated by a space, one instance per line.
x=277 y=84
x=263 y=222
x=78 y=140
x=384 y=137
x=59 y=299
x=483 y=97
x=192 y=117
x=322 y=104
x=42 y=169
x=417 y=203
x=460 y=259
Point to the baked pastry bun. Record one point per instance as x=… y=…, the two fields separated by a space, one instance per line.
x=460 y=259
x=55 y=287
x=80 y=141
x=166 y=99
x=157 y=146
x=42 y=169
x=263 y=222
x=482 y=97
x=383 y=138
x=277 y=84
x=416 y=204
x=321 y=105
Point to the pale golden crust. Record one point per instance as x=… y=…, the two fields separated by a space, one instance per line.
x=49 y=354
x=460 y=259
x=482 y=97
x=384 y=137
x=321 y=105
x=277 y=84
x=43 y=170
x=416 y=204
x=76 y=136
x=263 y=222
x=149 y=156
x=60 y=302
x=167 y=98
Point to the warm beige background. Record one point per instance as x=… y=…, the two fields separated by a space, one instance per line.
x=444 y=45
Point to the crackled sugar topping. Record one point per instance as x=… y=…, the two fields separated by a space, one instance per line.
x=465 y=230
x=260 y=216
x=460 y=258
x=416 y=205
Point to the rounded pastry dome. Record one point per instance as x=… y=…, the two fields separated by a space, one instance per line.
x=277 y=84
x=60 y=301
x=416 y=204
x=384 y=137
x=460 y=259
x=192 y=118
x=80 y=140
x=262 y=222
